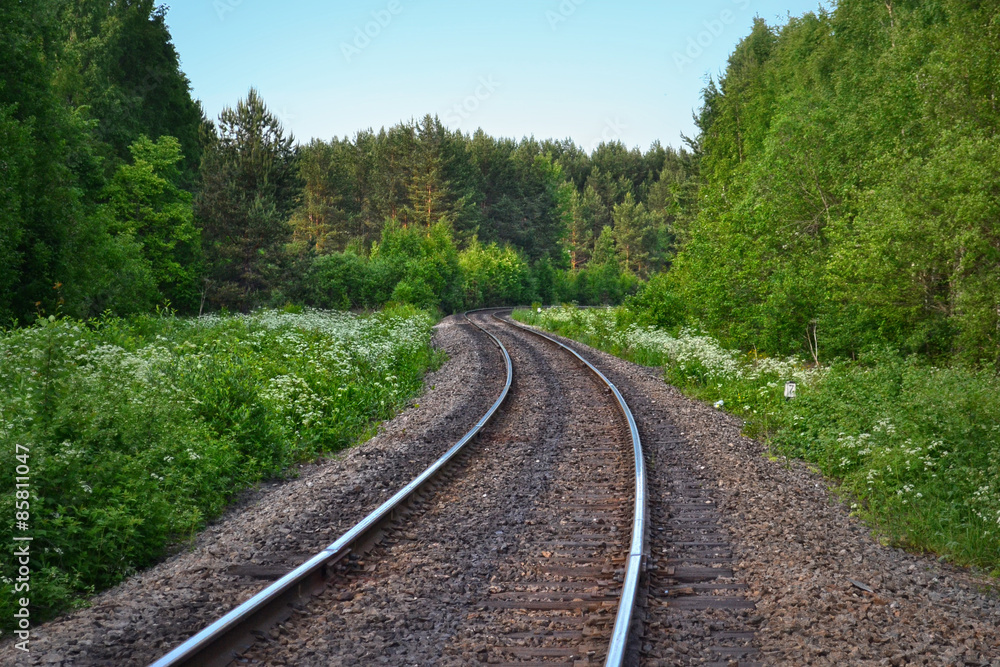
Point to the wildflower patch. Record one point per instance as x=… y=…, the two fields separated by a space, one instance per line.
x=142 y=429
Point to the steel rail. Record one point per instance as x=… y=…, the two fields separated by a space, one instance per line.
x=633 y=571
x=219 y=643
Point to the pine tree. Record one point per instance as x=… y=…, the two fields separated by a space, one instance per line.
x=605 y=251
x=427 y=192
x=632 y=230
x=250 y=183
x=320 y=224
x=429 y=195
x=585 y=209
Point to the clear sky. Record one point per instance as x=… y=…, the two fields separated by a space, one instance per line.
x=590 y=70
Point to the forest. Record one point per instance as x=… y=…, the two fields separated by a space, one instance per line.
x=841 y=191
x=121 y=196
x=840 y=201
x=849 y=190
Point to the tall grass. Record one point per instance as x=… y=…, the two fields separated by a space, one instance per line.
x=916 y=448
x=141 y=429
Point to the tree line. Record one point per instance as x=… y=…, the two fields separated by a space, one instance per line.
x=120 y=194
x=841 y=191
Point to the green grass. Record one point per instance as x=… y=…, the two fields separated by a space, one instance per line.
x=142 y=429
x=916 y=448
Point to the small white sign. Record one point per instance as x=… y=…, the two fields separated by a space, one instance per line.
x=790 y=390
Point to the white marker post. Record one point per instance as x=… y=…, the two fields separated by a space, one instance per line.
x=789 y=390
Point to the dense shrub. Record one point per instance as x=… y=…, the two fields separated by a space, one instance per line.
x=334 y=281
x=494 y=276
x=421 y=266
x=917 y=446
x=657 y=304
x=598 y=285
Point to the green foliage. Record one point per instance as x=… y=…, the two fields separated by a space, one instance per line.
x=117 y=59
x=656 y=304
x=109 y=273
x=849 y=181
x=430 y=196
x=338 y=280
x=633 y=234
x=250 y=180
x=494 y=276
x=147 y=204
x=71 y=91
x=518 y=194
x=606 y=248
x=918 y=447
x=422 y=267
x=15 y=154
x=320 y=223
x=141 y=430
x=418 y=266
x=584 y=211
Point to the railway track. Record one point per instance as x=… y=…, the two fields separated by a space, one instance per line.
x=572 y=597
x=515 y=552
x=558 y=584
x=694 y=609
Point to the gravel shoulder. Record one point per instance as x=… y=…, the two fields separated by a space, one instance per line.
x=276 y=526
x=423 y=597
x=799 y=551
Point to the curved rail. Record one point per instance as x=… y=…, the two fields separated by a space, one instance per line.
x=633 y=569
x=216 y=644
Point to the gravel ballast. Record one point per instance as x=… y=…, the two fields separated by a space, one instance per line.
x=429 y=594
x=278 y=526
x=800 y=552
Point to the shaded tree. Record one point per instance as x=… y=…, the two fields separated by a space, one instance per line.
x=147 y=203
x=119 y=62
x=250 y=182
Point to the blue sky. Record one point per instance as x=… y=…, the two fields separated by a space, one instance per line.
x=590 y=70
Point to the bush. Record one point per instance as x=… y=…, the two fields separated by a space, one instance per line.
x=656 y=304
x=335 y=281
x=597 y=285
x=494 y=276
x=917 y=446
x=421 y=266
